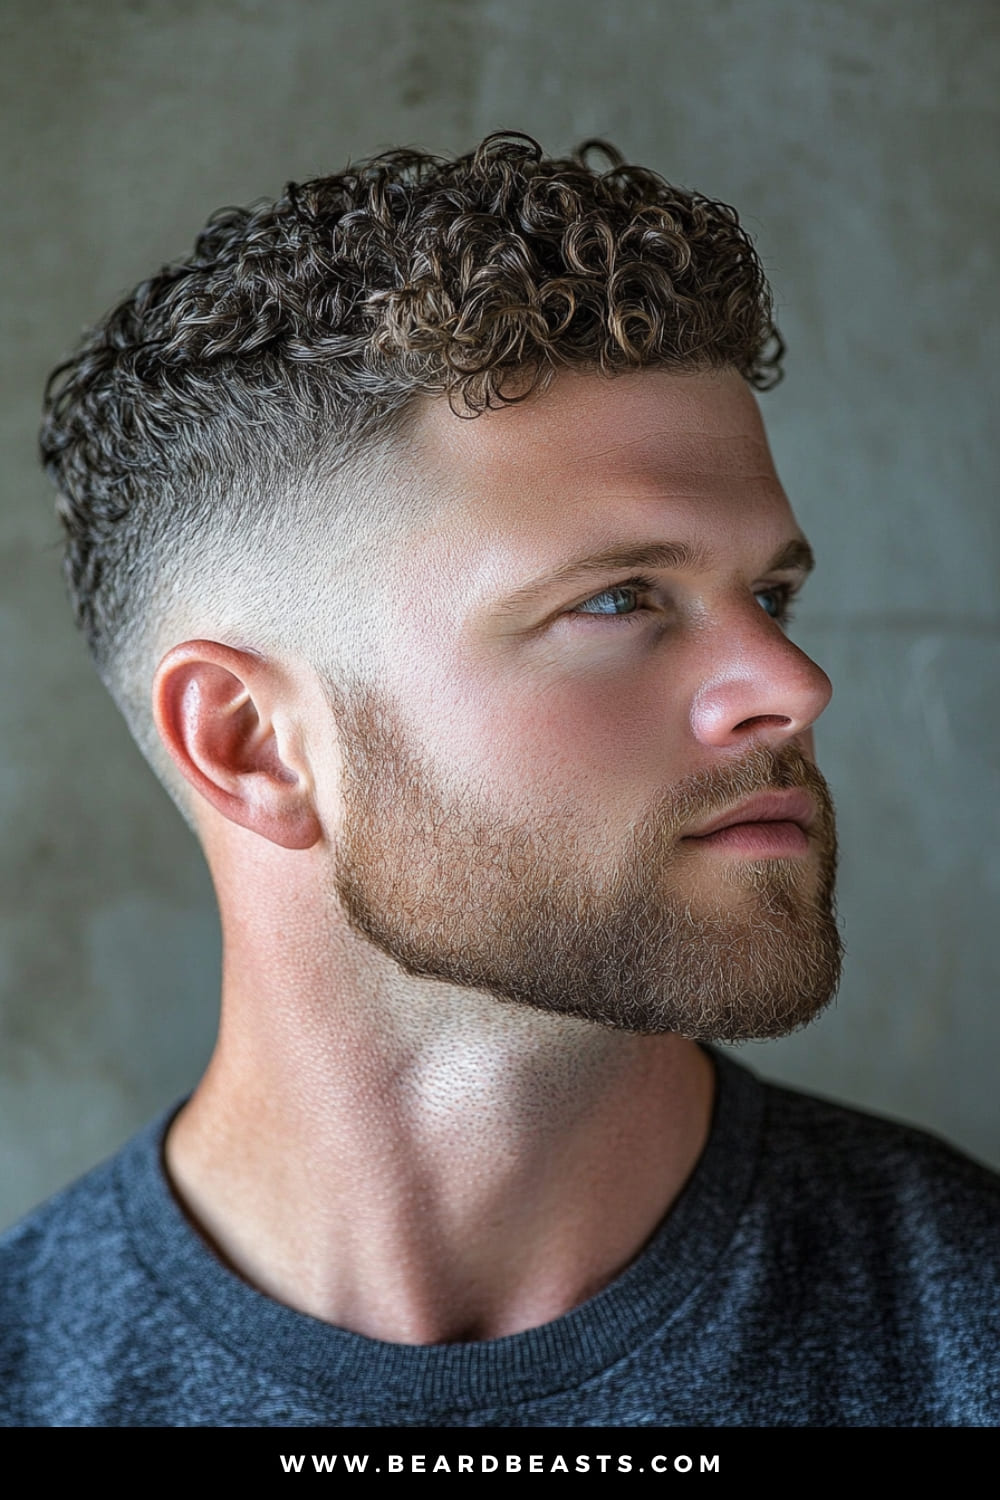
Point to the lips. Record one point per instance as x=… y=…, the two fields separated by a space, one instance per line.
x=793 y=806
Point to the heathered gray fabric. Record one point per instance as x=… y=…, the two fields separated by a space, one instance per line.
x=822 y=1267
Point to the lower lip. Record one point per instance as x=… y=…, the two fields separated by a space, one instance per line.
x=757 y=839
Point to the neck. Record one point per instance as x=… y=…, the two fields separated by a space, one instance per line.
x=420 y=1163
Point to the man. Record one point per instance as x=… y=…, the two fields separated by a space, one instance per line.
x=423 y=526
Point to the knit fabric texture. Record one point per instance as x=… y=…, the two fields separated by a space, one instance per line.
x=822 y=1267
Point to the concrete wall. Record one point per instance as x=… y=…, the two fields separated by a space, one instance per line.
x=858 y=138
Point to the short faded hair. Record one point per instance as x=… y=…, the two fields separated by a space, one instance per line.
x=279 y=359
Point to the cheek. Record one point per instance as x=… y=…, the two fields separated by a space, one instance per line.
x=606 y=737
x=604 y=740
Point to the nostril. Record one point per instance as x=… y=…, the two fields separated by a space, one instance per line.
x=758 y=719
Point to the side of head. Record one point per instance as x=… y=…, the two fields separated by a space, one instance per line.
x=230 y=442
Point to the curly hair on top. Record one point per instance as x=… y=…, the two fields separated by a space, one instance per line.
x=306 y=323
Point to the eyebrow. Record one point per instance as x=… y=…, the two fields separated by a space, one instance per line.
x=795 y=554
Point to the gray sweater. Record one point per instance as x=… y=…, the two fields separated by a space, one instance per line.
x=821 y=1268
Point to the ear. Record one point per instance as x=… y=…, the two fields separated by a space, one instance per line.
x=224 y=716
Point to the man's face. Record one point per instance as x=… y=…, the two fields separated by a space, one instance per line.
x=519 y=796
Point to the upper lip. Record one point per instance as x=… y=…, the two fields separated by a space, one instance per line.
x=770 y=807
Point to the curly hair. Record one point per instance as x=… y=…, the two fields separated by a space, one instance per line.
x=299 y=330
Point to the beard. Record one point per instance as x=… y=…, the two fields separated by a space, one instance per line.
x=653 y=935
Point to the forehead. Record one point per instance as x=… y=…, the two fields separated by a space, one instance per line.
x=600 y=461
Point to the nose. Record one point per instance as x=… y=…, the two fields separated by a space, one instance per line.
x=760 y=687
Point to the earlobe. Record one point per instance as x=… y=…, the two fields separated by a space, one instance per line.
x=215 y=710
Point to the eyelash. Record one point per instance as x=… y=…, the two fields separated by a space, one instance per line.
x=784 y=592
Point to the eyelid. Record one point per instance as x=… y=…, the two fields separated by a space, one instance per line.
x=791 y=588
x=641 y=583
x=786 y=590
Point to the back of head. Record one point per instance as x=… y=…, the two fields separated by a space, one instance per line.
x=228 y=441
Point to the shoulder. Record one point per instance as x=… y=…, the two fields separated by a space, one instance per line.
x=812 y=1153
x=70 y=1285
x=837 y=1154
x=866 y=1261
x=895 y=1230
x=79 y=1228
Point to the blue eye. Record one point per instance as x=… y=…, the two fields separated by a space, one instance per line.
x=624 y=601
x=780 y=596
x=613 y=600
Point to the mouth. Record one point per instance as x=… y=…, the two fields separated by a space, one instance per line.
x=774 y=823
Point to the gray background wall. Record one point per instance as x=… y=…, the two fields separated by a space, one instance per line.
x=858 y=138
